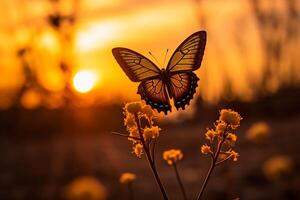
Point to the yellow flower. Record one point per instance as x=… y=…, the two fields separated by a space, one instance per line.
x=258 y=132
x=133 y=132
x=133 y=107
x=148 y=112
x=278 y=167
x=220 y=127
x=151 y=133
x=234 y=155
x=85 y=188
x=172 y=156
x=138 y=150
x=210 y=134
x=230 y=117
x=129 y=121
x=231 y=139
x=205 y=149
x=127 y=177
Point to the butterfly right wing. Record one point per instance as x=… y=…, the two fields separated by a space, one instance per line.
x=153 y=91
x=182 y=88
x=136 y=66
x=188 y=55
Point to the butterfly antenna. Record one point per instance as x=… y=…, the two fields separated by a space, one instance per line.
x=166 y=56
x=153 y=57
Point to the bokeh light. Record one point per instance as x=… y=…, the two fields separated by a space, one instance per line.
x=84 y=81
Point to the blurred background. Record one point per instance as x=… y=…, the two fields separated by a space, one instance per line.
x=62 y=92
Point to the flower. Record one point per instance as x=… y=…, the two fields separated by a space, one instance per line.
x=278 y=167
x=127 y=177
x=258 y=132
x=133 y=132
x=230 y=117
x=231 y=139
x=133 y=107
x=138 y=150
x=138 y=120
x=210 y=134
x=85 y=188
x=205 y=149
x=129 y=121
x=221 y=127
x=148 y=112
x=151 y=133
x=172 y=156
x=234 y=155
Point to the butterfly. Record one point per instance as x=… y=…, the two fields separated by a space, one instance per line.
x=157 y=86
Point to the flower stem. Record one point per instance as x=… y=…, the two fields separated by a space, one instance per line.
x=179 y=182
x=153 y=152
x=130 y=189
x=150 y=161
x=220 y=162
x=212 y=167
x=124 y=135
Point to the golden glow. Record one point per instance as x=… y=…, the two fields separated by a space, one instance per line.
x=84 y=81
x=142 y=26
x=94 y=35
x=31 y=99
x=48 y=40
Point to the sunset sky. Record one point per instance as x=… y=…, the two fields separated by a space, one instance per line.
x=234 y=54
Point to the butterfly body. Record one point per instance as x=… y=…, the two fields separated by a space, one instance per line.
x=164 y=75
x=177 y=81
x=165 y=78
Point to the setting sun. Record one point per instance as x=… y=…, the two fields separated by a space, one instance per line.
x=84 y=81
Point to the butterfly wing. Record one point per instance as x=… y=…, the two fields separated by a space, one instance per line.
x=153 y=91
x=139 y=68
x=189 y=54
x=182 y=88
x=136 y=66
x=186 y=58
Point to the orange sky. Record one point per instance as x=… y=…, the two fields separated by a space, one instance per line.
x=142 y=26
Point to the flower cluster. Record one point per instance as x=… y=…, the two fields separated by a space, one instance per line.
x=258 y=132
x=136 y=113
x=172 y=156
x=151 y=133
x=83 y=187
x=127 y=178
x=278 y=167
x=143 y=133
x=223 y=137
x=205 y=149
x=230 y=118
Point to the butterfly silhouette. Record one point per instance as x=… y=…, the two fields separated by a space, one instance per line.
x=177 y=81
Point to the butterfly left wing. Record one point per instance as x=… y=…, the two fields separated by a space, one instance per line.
x=136 y=66
x=140 y=69
x=182 y=88
x=189 y=54
x=154 y=92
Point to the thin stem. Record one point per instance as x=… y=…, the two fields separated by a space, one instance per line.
x=124 y=135
x=130 y=189
x=152 y=166
x=179 y=182
x=153 y=152
x=221 y=161
x=212 y=166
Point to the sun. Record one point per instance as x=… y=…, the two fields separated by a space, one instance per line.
x=84 y=81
